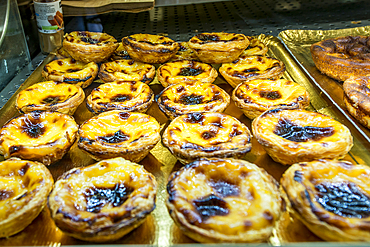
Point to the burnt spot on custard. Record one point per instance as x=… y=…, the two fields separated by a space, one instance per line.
x=235 y=131
x=224 y=188
x=298 y=176
x=344 y=199
x=122 y=97
x=205 y=38
x=97 y=198
x=73 y=80
x=270 y=95
x=33 y=127
x=51 y=100
x=211 y=205
x=124 y=115
x=194 y=118
x=190 y=71
x=116 y=137
x=6 y=194
x=209 y=134
x=268 y=216
x=22 y=171
x=293 y=132
x=192 y=99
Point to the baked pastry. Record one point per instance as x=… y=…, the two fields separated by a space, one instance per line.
x=104 y=201
x=255 y=47
x=295 y=135
x=251 y=68
x=126 y=70
x=206 y=134
x=71 y=71
x=24 y=186
x=115 y=133
x=184 y=53
x=89 y=47
x=120 y=53
x=331 y=197
x=62 y=53
x=38 y=136
x=257 y=96
x=343 y=57
x=224 y=200
x=149 y=48
x=50 y=96
x=357 y=98
x=218 y=47
x=185 y=70
x=187 y=97
x=124 y=96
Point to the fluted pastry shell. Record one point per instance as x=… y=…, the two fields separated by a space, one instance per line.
x=104 y=201
x=295 y=135
x=50 y=96
x=187 y=97
x=257 y=96
x=126 y=70
x=184 y=53
x=185 y=71
x=116 y=133
x=150 y=48
x=124 y=96
x=38 y=136
x=25 y=186
x=342 y=57
x=88 y=46
x=256 y=47
x=251 y=68
x=331 y=197
x=224 y=201
x=357 y=98
x=69 y=70
x=206 y=134
x=218 y=47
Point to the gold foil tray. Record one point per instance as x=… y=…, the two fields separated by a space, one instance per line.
x=159 y=229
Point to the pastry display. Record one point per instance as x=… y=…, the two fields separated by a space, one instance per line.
x=69 y=70
x=115 y=133
x=50 y=96
x=184 y=53
x=257 y=96
x=124 y=96
x=187 y=97
x=38 y=136
x=218 y=47
x=126 y=70
x=120 y=53
x=224 y=200
x=206 y=134
x=357 y=98
x=295 y=135
x=89 y=47
x=149 y=48
x=25 y=186
x=185 y=70
x=342 y=57
x=255 y=47
x=251 y=68
x=104 y=201
x=331 y=197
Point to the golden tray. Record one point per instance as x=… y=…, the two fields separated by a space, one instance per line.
x=159 y=229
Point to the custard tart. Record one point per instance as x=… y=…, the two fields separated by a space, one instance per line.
x=224 y=200
x=62 y=53
x=218 y=47
x=149 y=48
x=126 y=70
x=294 y=135
x=357 y=98
x=257 y=96
x=104 y=201
x=185 y=70
x=251 y=68
x=187 y=97
x=89 y=47
x=184 y=53
x=115 y=133
x=256 y=47
x=25 y=186
x=120 y=53
x=330 y=197
x=50 y=96
x=69 y=70
x=38 y=136
x=206 y=134
x=124 y=96
x=342 y=57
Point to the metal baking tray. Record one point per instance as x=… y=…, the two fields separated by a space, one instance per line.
x=159 y=229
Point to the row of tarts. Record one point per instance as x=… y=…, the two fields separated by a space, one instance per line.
x=216 y=196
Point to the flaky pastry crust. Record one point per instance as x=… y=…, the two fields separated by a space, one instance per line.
x=331 y=197
x=50 y=96
x=25 y=186
x=257 y=96
x=184 y=53
x=224 y=200
x=104 y=201
x=294 y=135
x=255 y=47
x=206 y=134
